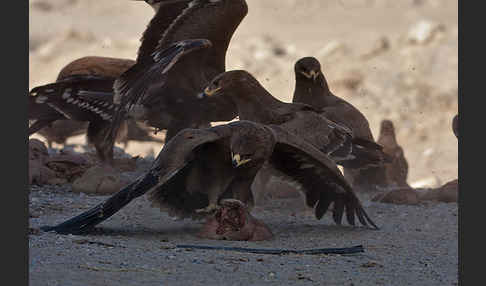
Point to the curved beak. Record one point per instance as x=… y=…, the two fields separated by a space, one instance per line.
x=209 y=92
x=236 y=160
x=311 y=75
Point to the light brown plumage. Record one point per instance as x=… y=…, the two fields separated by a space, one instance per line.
x=95 y=66
x=396 y=171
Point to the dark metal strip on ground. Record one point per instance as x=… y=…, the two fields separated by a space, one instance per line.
x=345 y=250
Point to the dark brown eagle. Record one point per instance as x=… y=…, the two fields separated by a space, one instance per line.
x=311 y=88
x=198 y=168
x=84 y=92
x=173 y=103
x=254 y=103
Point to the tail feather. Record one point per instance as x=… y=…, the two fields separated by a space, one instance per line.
x=365 y=154
x=363 y=217
x=367 y=144
x=86 y=221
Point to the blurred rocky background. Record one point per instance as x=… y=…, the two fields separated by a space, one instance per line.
x=392 y=59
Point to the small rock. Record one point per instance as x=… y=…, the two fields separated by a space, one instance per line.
x=448 y=193
x=351 y=80
x=424 y=32
x=331 y=49
x=370 y=264
x=43 y=6
x=380 y=46
x=99 y=180
x=34 y=231
x=57 y=181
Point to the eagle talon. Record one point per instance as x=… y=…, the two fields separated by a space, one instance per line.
x=209 y=209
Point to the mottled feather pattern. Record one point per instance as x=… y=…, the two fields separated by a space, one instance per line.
x=75 y=95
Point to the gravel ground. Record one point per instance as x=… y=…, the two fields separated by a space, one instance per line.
x=416 y=245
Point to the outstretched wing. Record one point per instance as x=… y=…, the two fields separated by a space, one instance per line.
x=131 y=87
x=133 y=84
x=171 y=162
x=319 y=177
x=86 y=73
x=83 y=98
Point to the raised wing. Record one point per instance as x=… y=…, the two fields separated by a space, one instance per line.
x=215 y=20
x=158 y=25
x=131 y=87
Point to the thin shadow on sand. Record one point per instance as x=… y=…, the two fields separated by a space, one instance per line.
x=144 y=232
x=189 y=232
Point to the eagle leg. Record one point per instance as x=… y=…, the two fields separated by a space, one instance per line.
x=212 y=207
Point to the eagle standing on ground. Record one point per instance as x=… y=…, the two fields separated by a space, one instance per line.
x=173 y=103
x=198 y=168
x=84 y=92
x=311 y=88
x=396 y=171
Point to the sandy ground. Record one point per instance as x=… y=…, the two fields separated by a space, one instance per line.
x=391 y=59
x=416 y=245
